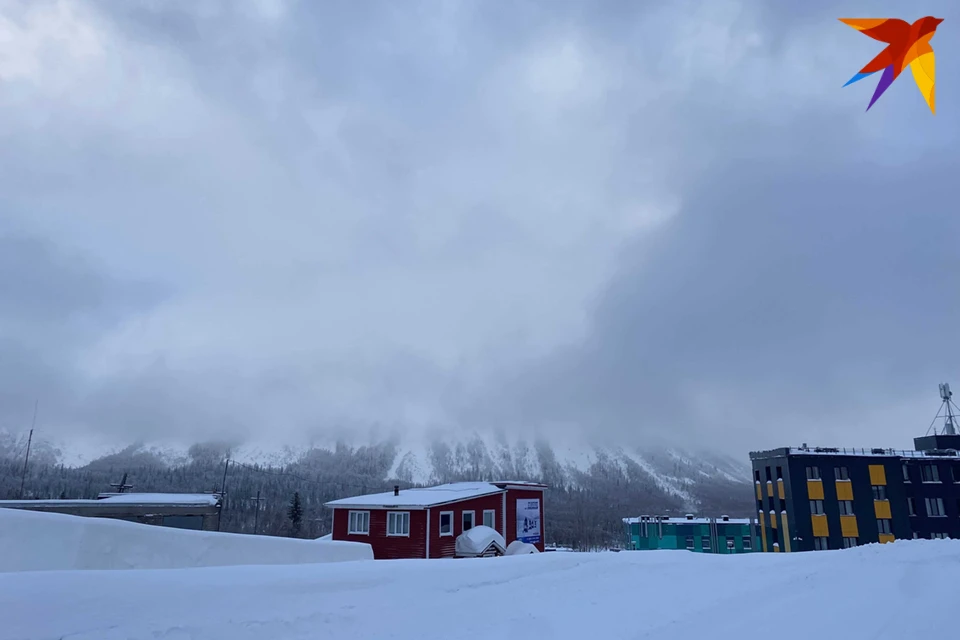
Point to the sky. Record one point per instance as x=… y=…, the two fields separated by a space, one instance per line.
x=621 y=221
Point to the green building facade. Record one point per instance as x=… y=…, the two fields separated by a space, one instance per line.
x=701 y=535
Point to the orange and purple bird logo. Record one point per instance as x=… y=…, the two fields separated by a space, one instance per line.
x=907 y=44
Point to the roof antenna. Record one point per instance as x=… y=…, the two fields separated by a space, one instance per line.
x=946 y=412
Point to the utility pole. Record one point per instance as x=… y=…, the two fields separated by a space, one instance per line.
x=122 y=485
x=223 y=492
x=256 y=517
x=26 y=459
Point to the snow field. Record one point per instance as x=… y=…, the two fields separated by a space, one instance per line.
x=863 y=593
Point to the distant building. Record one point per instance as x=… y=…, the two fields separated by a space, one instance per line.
x=811 y=499
x=425 y=523
x=200 y=511
x=702 y=535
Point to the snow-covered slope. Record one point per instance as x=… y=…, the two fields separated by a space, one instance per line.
x=33 y=541
x=855 y=594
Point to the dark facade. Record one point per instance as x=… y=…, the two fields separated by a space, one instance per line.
x=811 y=499
x=434 y=521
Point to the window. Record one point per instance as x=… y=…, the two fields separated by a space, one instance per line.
x=846 y=507
x=490 y=518
x=841 y=473
x=467 y=520
x=813 y=473
x=879 y=492
x=956 y=473
x=906 y=473
x=756 y=475
x=779 y=473
x=690 y=543
x=747 y=543
x=931 y=473
x=911 y=506
x=768 y=474
x=821 y=544
x=883 y=526
x=916 y=535
x=359 y=524
x=705 y=543
x=849 y=542
x=938 y=536
x=770 y=502
x=935 y=507
x=446 y=523
x=398 y=523
x=731 y=545
x=816 y=507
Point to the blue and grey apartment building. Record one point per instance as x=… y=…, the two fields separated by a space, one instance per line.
x=817 y=498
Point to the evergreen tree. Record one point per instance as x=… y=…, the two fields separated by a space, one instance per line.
x=295 y=514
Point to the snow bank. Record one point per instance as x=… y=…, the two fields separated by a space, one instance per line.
x=519 y=548
x=476 y=540
x=854 y=594
x=33 y=541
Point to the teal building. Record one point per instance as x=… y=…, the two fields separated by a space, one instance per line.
x=702 y=535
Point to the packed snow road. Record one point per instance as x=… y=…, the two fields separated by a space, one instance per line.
x=867 y=592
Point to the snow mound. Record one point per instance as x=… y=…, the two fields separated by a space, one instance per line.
x=477 y=540
x=33 y=541
x=519 y=548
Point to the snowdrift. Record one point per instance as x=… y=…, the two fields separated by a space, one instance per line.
x=477 y=540
x=33 y=541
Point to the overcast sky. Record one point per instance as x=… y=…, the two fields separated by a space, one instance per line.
x=631 y=220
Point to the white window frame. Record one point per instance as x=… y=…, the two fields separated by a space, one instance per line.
x=473 y=520
x=690 y=542
x=404 y=517
x=849 y=542
x=748 y=543
x=351 y=531
x=884 y=525
x=493 y=518
x=846 y=507
x=934 y=471
x=440 y=524
x=911 y=507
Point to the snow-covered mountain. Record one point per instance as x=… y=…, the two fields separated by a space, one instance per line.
x=686 y=479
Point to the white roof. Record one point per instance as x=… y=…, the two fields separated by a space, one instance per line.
x=521 y=483
x=665 y=520
x=166 y=499
x=476 y=540
x=421 y=498
x=163 y=498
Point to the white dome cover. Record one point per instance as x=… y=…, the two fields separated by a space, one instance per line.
x=477 y=540
x=518 y=548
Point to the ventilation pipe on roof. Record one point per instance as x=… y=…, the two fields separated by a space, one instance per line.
x=396 y=489
x=689 y=516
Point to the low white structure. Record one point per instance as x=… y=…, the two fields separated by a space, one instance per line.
x=33 y=541
x=518 y=548
x=480 y=542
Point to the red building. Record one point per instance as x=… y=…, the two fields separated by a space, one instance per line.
x=425 y=523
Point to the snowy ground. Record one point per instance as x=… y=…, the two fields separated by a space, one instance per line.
x=867 y=592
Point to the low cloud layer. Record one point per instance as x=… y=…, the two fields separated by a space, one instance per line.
x=630 y=223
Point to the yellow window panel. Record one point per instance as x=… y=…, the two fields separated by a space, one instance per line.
x=770 y=489
x=886 y=537
x=786 y=532
x=848 y=527
x=820 y=528
x=844 y=490
x=878 y=476
x=882 y=509
x=780 y=490
x=815 y=489
x=759 y=493
x=773 y=520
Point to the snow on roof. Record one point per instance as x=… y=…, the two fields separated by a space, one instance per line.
x=475 y=541
x=420 y=498
x=163 y=498
x=842 y=451
x=153 y=499
x=668 y=520
x=520 y=483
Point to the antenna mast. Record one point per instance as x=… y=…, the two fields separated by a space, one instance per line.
x=946 y=411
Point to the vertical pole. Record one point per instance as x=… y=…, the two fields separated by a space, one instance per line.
x=256 y=517
x=223 y=493
x=26 y=459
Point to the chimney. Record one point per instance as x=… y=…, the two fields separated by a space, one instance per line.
x=689 y=516
x=725 y=518
x=396 y=489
